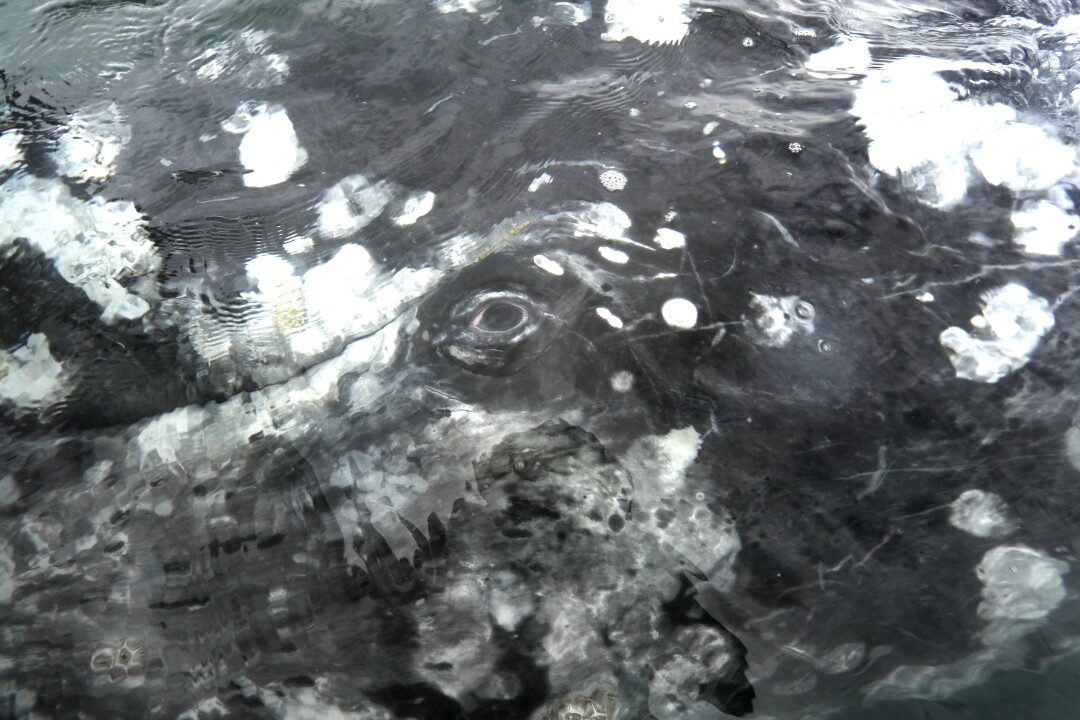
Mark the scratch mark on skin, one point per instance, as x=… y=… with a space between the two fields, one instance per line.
x=493 y=38
x=785 y=234
x=985 y=271
x=888 y=536
x=437 y=103
x=700 y=282
x=667 y=333
x=734 y=259
x=879 y=475
x=1064 y=297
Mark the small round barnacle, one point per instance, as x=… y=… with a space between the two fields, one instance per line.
x=132 y=656
x=103 y=660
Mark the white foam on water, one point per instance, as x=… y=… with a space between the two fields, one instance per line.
x=780 y=318
x=982 y=514
x=30 y=377
x=611 y=318
x=11 y=155
x=849 y=56
x=679 y=313
x=415 y=208
x=548 y=265
x=93 y=244
x=91 y=143
x=612 y=255
x=270 y=150
x=649 y=21
x=1042 y=227
x=669 y=239
x=539 y=181
x=1020 y=583
x=351 y=204
x=1007 y=333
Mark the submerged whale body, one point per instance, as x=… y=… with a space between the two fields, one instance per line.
x=554 y=360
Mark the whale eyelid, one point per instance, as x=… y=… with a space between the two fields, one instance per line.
x=492 y=307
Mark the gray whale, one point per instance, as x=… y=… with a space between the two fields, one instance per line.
x=498 y=360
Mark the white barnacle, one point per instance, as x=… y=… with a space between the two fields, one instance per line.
x=613 y=180
x=103 y=660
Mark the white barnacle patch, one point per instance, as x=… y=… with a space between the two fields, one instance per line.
x=650 y=21
x=298 y=245
x=30 y=377
x=548 y=265
x=243 y=57
x=669 y=239
x=539 y=181
x=612 y=255
x=1043 y=227
x=718 y=152
x=415 y=208
x=613 y=180
x=611 y=318
x=1020 y=583
x=11 y=155
x=983 y=514
x=351 y=204
x=781 y=318
x=679 y=313
x=622 y=381
x=681 y=517
x=1022 y=157
x=270 y=149
x=93 y=244
x=281 y=291
x=924 y=130
x=350 y=296
x=7 y=573
x=1072 y=443
x=1007 y=333
x=469 y=6
x=601 y=220
x=89 y=146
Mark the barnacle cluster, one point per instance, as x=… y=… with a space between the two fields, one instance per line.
x=128 y=658
x=597 y=704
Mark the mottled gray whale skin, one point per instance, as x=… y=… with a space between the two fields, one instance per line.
x=420 y=362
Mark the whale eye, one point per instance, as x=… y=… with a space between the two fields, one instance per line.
x=500 y=316
x=497 y=331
